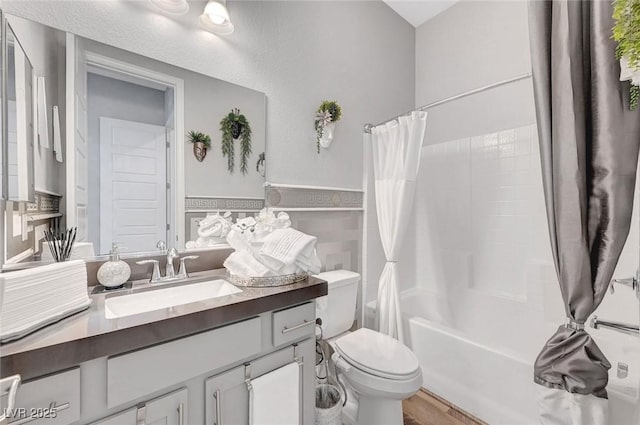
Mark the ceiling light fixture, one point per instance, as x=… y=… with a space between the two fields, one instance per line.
x=174 y=7
x=216 y=18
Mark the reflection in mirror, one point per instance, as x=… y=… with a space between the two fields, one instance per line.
x=19 y=123
x=118 y=165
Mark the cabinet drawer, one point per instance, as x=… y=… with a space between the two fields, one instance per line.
x=55 y=398
x=134 y=375
x=293 y=323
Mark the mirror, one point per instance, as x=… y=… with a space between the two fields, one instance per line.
x=18 y=106
x=119 y=164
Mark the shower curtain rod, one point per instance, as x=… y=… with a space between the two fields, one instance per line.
x=369 y=126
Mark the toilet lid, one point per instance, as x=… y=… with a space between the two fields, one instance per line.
x=378 y=354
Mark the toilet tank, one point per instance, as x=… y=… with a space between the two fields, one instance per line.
x=337 y=309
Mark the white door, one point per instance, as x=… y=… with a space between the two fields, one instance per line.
x=76 y=143
x=133 y=185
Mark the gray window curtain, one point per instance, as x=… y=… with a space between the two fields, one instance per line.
x=589 y=150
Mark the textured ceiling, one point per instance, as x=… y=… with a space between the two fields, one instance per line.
x=417 y=12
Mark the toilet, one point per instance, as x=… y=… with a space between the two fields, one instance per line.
x=377 y=370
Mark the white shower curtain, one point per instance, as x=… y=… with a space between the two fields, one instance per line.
x=396 y=157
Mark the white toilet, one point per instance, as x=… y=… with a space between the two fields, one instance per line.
x=378 y=371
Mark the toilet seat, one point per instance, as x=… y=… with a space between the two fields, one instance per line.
x=378 y=354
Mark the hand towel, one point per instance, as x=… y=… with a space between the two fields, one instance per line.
x=284 y=247
x=43 y=123
x=275 y=398
x=57 y=140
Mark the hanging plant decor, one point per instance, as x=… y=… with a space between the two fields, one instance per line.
x=201 y=142
x=326 y=116
x=234 y=126
x=626 y=32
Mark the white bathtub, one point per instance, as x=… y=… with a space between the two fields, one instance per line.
x=496 y=384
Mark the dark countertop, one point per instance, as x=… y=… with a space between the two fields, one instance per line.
x=89 y=335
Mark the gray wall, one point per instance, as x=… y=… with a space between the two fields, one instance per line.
x=470 y=45
x=298 y=53
x=45 y=50
x=111 y=98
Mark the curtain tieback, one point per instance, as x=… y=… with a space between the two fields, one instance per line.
x=390 y=261
x=573 y=324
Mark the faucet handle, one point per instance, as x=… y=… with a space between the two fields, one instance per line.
x=161 y=245
x=155 y=274
x=182 y=272
x=631 y=282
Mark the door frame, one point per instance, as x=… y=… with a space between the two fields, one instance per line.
x=175 y=204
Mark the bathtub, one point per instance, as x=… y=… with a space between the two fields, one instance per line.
x=495 y=384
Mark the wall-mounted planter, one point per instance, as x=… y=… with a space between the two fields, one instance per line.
x=201 y=143
x=199 y=151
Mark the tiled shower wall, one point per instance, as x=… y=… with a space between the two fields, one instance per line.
x=485 y=218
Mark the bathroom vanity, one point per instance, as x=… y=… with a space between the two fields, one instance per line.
x=187 y=364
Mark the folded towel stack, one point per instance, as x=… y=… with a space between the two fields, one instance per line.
x=285 y=248
x=267 y=246
x=32 y=298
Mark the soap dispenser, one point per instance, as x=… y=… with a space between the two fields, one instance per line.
x=115 y=272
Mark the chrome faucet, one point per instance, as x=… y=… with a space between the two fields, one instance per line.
x=616 y=326
x=170 y=273
x=626 y=328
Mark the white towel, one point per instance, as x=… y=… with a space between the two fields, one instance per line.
x=275 y=398
x=57 y=140
x=43 y=123
x=285 y=247
x=242 y=263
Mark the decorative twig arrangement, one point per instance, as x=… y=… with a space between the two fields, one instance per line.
x=233 y=126
x=61 y=243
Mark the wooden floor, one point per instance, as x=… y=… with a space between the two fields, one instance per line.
x=426 y=408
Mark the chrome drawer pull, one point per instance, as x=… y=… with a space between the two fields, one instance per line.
x=9 y=385
x=180 y=414
x=296 y=327
x=218 y=421
x=53 y=410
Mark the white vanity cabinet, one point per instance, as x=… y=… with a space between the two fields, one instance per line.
x=170 y=409
x=195 y=379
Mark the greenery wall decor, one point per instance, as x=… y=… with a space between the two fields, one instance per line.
x=201 y=142
x=234 y=126
x=328 y=112
x=626 y=32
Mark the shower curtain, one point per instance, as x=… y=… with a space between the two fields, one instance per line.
x=396 y=157
x=589 y=143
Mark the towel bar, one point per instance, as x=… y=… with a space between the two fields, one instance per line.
x=247 y=379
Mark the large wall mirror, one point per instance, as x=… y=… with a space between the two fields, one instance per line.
x=112 y=154
x=18 y=111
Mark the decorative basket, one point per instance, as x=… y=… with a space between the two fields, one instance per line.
x=269 y=281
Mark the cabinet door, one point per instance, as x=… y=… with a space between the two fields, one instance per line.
x=170 y=409
x=227 y=396
x=227 y=399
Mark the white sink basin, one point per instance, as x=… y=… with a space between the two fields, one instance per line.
x=127 y=305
